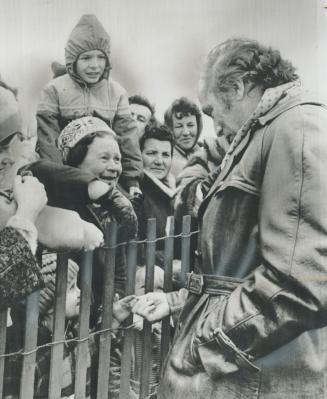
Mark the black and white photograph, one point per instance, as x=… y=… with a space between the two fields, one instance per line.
x=163 y=199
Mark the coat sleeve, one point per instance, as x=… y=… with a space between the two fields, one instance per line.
x=19 y=271
x=66 y=186
x=48 y=124
x=125 y=127
x=286 y=295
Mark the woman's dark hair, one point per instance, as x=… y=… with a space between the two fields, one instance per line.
x=247 y=59
x=77 y=154
x=183 y=107
x=157 y=132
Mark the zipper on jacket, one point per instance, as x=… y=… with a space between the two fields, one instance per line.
x=87 y=100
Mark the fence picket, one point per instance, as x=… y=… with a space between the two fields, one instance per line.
x=108 y=294
x=186 y=246
x=30 y=342
x=58 y=327
x=84 y=325
x=147 y=327
x=146 y=347
x=130 y=334
x=168 y=285
x=3 y=335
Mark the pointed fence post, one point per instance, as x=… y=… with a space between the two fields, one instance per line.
x=147 y=328
x=57 y=350
x=83 y=355
x=168 y=284
x=129 y=334
x=107 y=301
x=3 y=335
x=30 y=342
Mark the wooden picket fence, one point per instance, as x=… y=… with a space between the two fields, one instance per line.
x=32 y=312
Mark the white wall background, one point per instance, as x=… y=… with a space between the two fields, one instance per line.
x=158 y=46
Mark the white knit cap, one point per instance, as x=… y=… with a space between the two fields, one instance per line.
x=77 y=130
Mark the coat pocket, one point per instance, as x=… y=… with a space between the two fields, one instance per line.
x=213 y=349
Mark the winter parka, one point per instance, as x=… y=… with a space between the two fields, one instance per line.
x=68 y=97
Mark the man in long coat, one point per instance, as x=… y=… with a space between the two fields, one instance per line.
x=254 y=317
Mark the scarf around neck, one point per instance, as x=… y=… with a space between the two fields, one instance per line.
x=268 y=101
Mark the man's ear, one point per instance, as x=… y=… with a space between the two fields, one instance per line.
x=239 y=89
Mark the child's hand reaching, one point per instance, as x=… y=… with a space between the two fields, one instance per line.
x=153 y=306
x=122 y=308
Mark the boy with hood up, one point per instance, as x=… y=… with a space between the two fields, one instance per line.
x=87 y=89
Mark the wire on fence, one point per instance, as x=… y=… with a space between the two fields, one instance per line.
x=98 y=332
x=181 y=235
x=66 y=341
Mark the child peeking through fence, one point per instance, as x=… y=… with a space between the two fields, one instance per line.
x=121 y=310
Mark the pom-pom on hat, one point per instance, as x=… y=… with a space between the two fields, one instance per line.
x=48 y=271
x=77 y=130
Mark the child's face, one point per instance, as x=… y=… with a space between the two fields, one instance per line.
x=103 y=159
x=72 y=300
x=90 y=65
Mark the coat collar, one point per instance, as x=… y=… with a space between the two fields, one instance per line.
x=274 y=102
x=167 y=185
x=187 y=154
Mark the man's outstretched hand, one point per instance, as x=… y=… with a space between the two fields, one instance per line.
x=153 y=306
